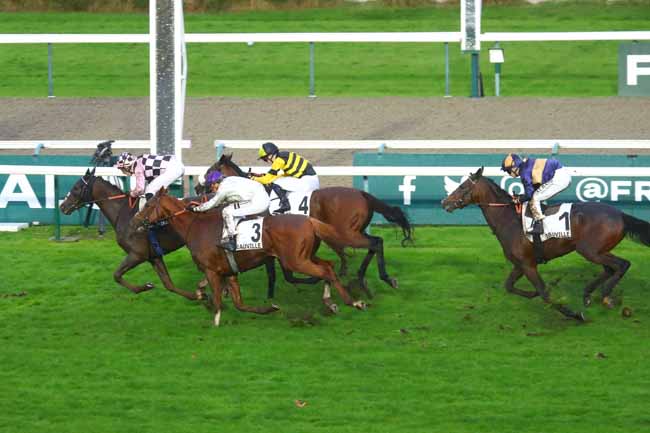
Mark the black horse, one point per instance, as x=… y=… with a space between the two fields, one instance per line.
x=596 y=228
x=119 y=208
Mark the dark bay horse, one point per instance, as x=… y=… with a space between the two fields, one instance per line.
x=116 y=206
x=293 y=239
x=596 y=229
x=350 y=210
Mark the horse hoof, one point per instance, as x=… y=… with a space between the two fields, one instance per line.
x=608 y=302
x=580 y=317
x=275 y=307
x=586 y=301
x=393 y=283
x=333 y=308
x=360 y=305
x=148 y=286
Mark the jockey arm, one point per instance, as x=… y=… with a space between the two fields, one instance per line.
x=273 y=173
x=138 y=190
x=215 y=201
x=527 y=182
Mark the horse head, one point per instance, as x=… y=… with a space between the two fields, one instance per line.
x=156 y=209
x=80 y=194
x=465 y=194
x=226 y=166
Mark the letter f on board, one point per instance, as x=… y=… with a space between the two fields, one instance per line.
x=407 y=189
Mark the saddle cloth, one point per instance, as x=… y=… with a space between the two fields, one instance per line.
x=557 y=224
x=299 y=201
x=249 y=233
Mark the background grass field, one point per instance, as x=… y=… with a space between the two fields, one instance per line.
x=531 y=69
x=448 y=351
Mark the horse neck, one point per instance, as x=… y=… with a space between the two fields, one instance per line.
x=237 y=171
x=102 y=190
x=181 y=222
x=503 y=220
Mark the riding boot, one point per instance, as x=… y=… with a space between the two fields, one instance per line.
x=284 y=200
x=229 y=243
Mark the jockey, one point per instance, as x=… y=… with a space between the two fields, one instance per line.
x=242 y=196
x=542 y=179
x=297 y=173
x=152 y=172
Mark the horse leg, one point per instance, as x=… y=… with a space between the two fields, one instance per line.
x=623 y=266
x=615 y=268
x=161 y=269
x=343 y=269
x=324 y=270
x=514 y=276
x=270 y=275
x=215 y=283
x=589 y=288
x=130 y=262
x=235 y=293
x=533 y=276
x=375 y=245
x=288 y=275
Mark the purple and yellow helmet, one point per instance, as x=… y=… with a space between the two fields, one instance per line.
x=510 y=162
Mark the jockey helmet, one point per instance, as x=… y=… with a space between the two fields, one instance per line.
x=267 y=149
x=125 y=161
x=214 y=177
x=511 y=164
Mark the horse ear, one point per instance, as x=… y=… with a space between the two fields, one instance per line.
x=161 y=191
x=87 y=172
x=92 y=173
x=228 y=156
x=476 y=176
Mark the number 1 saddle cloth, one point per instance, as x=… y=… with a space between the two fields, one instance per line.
x=557 y=224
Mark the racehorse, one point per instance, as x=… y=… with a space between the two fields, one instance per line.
x=596 y=229
x=350 y=210
x=293 y=239
x=119 y=208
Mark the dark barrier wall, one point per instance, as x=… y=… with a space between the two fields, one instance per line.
x=420 y=196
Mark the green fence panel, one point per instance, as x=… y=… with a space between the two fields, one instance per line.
x=420 y=196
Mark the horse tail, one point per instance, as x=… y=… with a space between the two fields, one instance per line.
x=328 y=233
x=394 y=214
x=636 y=229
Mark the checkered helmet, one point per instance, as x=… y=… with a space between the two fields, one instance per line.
x=125 y=161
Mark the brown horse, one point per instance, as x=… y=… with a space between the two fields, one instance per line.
x=293 y=239
x=350 y=210
x=596 y=229
x=119 y=209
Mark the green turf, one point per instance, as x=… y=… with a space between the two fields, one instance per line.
x=531 y=69
x=448 y=351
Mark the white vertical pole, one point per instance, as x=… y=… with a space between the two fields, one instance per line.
x=180 y=76
x=153 y=105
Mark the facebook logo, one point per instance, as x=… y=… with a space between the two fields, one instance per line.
x=407 y=188
x=637 y=65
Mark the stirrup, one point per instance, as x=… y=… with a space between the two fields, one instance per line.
x=228 y=244
x=537 y=228
x=284 y=207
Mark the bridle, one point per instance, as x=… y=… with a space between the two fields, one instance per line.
x=85 y=197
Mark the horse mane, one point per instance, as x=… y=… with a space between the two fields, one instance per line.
x=114 y=188
x=497 y=190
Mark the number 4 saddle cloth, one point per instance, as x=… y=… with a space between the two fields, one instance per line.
x=249 y=233
x=557 y=224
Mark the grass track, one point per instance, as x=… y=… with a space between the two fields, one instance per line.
x=449 y=351
x=265 y=70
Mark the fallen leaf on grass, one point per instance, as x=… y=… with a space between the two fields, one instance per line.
x=600 y=355
x=300 y=403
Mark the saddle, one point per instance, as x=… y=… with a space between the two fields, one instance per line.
x=546 y=210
